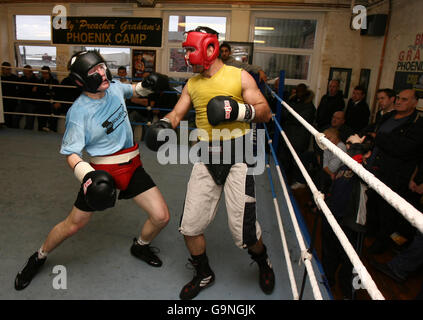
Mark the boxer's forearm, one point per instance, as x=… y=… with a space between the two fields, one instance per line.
x=73 y=159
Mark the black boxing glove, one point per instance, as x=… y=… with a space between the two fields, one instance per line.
x=225 y=109
x=99 y=190
x=155 y=82
x=153 y=132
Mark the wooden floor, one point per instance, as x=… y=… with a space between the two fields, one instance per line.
x=390 y=289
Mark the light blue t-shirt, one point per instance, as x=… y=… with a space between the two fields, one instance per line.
x=101 y=126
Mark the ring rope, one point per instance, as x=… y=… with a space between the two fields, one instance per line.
x=364 y=275
x=307 y=262
x=294 y=288
x=414 y=216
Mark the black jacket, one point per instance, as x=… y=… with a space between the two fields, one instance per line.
x=357 y=115
x=399 y=151
x=297 y=134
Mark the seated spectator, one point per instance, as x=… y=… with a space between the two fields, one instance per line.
x=228 y=59
x=345 y=200
x=357 y=113
x=28 y=91
x=338 y=122
x=398 y=145
x=331 y=163
x=9 y=89
x=298 y=135
x=330 y=103
x=46 y=93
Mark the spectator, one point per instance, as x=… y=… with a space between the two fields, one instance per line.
x=338 y=122
x=46 y=93
x=122 y=73
x=398 y=145
x=228 y=59
x=386 y=102
x=9 y=89
x=346 y=203
x=330 y=103
x=298 y=135
x=410 y=259
x=331 y=163
x=357 y=112
x=28 y=91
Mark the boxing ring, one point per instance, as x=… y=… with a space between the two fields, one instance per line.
x=39 y=190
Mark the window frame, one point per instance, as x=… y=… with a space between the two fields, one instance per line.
x=38 y=43
x=314 y=53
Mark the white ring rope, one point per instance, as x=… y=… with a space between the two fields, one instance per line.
x=305 y=256
x=307 y=262
x=364 y=275
x=39 y=84
x=40 y=100
x=291 y=276
x=414 y=216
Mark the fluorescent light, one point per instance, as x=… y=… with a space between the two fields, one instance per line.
x=259 y=41
x=265 y=28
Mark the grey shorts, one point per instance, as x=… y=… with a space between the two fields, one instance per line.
x=203 y=196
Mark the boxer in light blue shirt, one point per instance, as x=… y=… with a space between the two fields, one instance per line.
x=98 y=123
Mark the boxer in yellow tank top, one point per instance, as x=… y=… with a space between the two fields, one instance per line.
x=223 y=97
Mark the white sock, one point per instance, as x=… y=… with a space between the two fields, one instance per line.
x=142 y=242
x=42 y=254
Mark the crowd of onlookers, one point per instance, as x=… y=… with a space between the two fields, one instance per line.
x=390 y=147
x=35 y=93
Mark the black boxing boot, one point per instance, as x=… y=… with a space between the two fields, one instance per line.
x=266 y=274
x=24 y=277
x=145 y=253
x=203 y=278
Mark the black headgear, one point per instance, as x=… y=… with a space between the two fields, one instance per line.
x=81 y=63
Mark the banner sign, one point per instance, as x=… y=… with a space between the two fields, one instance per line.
x=135 y=32
x=409 y=72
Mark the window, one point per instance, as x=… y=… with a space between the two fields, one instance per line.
x=37 y=56
x=178 y=24
x=33 y=27
x=284 y=33
x=288 y=42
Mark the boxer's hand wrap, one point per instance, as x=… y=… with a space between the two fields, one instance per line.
x=81 y=169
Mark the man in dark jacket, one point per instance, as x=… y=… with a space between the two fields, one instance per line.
x=298 y=135
x=46 y=93
x=330 y=103
x=357 y=113
x=8 y=89
x=398 y=145
x=28 y=91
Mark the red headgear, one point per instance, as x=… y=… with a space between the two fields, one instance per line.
x=199 y=40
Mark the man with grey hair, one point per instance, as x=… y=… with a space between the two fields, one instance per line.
x=330 y=103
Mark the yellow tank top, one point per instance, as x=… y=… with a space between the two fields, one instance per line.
x=225 y=82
